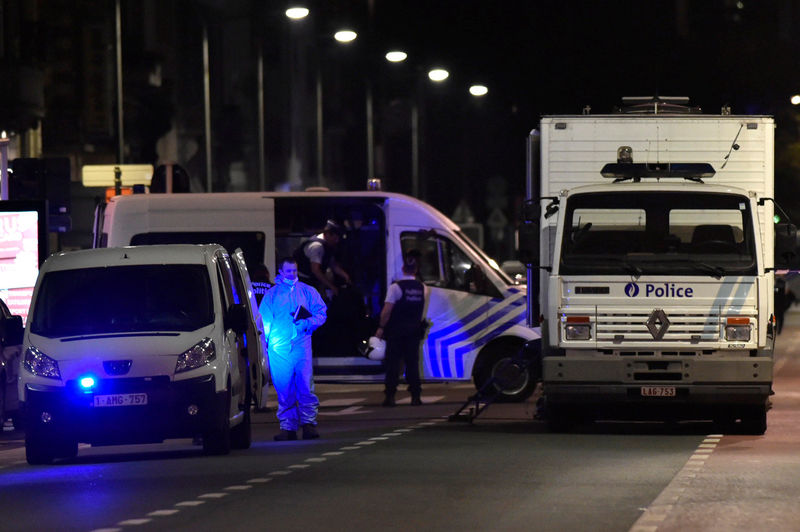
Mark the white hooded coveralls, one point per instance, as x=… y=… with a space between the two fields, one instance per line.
x=289 y=349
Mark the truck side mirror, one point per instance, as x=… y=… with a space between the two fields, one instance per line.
x=12 y=330
x=237 y=318
x=787 y=247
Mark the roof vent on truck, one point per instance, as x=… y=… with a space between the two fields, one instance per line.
x=637 y=171
x=654 y=105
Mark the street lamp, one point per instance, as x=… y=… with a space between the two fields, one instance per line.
x=345 y=36
x=478 y=90
x=297 y=12
x=438 y=74
x=396 y=56
x=795 y=99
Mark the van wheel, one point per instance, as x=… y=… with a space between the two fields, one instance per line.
x=511 y=381
x=38 y=451
x=241 y=434
x=217 y=440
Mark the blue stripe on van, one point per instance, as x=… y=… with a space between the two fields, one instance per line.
x=459 y=353
x=431 y=341
x=444 y=353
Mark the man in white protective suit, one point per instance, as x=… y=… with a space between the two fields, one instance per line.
x=291 y=311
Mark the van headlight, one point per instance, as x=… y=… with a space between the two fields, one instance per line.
x=196 y=356
x=40 y=364
x=577 y=327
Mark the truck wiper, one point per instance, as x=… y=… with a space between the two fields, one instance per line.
x=632 y=269
x=714 y=271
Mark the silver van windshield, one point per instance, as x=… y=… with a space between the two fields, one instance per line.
x=123 y=299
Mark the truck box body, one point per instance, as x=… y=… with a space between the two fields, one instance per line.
x=656 y=293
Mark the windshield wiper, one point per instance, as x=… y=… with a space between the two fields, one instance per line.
x=632 y=269
x=714 y=271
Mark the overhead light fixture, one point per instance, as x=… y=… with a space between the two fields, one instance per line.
x=297 y=12
x=438 y=74
x=396 y=56
x=478 y=90
x=345 y=36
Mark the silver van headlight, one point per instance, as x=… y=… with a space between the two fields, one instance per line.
x=196 y=356
x=40 y=364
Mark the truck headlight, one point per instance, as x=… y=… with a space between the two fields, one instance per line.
x=737 y=330
x=40 y=364
x=577 y=327
x=196 y=356
x=578 y=332
x=737 y=333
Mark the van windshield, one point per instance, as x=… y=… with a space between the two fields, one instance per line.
x=122 y=299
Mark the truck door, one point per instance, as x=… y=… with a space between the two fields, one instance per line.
x=459 y=295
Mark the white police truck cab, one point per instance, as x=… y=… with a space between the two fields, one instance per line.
x=475 y=311
x=655 y=240
x=136 y=345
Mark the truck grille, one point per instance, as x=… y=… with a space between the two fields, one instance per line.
x=667 y=326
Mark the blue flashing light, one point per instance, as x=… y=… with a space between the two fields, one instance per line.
x=87 y=382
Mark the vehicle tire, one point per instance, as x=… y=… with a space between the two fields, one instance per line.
x=241 y=434
x=512 y=383
x=217 y=440
x=38 y=449
x=754 y=420
x=560 y=418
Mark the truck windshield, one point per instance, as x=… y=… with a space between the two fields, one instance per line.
x=123 y=299
x=676 y=233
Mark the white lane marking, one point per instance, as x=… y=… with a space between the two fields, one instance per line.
x=426 y=399
x=214 y=495
x=662 y=505
x=106 y=530
x=134 y=522
x=261 y=480
x=190 y=503
x=349 y=411
x=707 y=445
x=341 y=402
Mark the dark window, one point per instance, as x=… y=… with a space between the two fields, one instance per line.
x=119 y=299
x=251 y=242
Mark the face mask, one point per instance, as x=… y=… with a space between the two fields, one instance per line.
x=290 y=282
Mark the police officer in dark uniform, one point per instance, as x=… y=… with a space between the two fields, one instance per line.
x=401 y=327
x=316 y=255
x=261 y=281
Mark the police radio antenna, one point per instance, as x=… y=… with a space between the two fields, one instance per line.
x=734 y=146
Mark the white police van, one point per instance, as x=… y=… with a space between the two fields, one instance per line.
x=137 y=345
x=475 y=310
